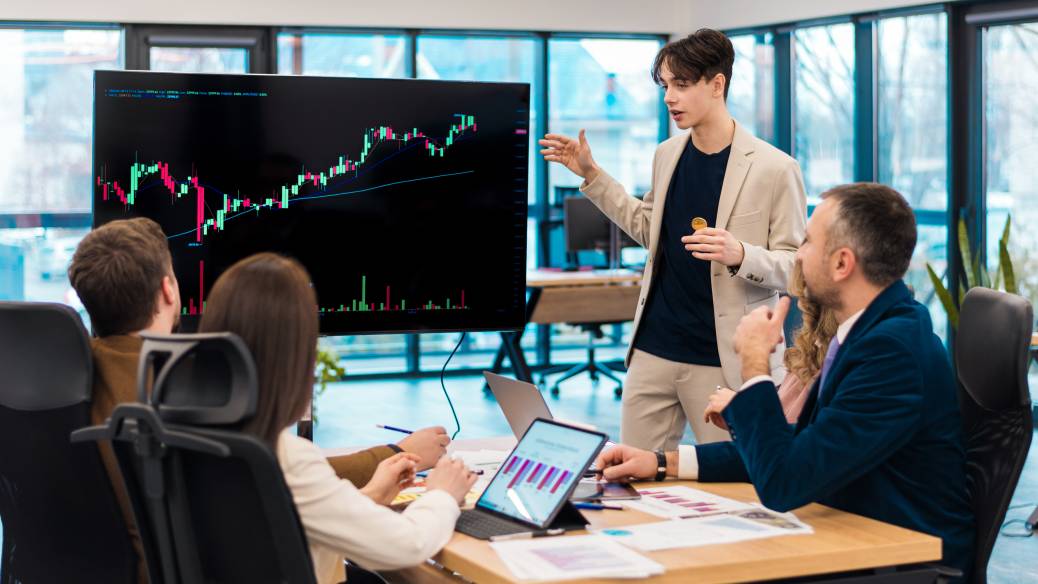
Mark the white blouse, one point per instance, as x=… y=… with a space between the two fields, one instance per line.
x=341 y=522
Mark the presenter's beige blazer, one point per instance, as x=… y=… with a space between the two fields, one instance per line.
x=762 y=204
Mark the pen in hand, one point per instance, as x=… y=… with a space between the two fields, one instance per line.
x=394 y=429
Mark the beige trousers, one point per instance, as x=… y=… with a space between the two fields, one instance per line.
x=660 y=395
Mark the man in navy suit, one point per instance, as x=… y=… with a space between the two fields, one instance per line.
x=880 y=434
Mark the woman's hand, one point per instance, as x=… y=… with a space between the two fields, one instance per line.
x=451 y=476
x=392 y=475
x=719 y=400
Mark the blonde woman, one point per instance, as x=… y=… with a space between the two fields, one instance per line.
x=803 y=360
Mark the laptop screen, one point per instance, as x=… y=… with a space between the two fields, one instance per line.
x=537 y=477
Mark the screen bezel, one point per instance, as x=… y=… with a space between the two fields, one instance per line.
x=569 y=491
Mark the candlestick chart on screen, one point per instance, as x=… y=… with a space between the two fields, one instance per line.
x=405 y=200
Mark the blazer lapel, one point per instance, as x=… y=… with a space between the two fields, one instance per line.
x=739 y=162
x=662 y=187
x=893 y=294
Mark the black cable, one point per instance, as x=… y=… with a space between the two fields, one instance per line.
x=443 y=385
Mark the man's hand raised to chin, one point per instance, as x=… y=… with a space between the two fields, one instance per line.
x=756 y=337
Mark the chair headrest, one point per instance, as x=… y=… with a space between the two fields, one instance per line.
x=45 y=356
x=198 y=379
x=992 y=348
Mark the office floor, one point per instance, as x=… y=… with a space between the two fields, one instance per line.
x=348 y=412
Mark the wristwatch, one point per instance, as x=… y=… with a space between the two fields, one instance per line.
x=661 y=465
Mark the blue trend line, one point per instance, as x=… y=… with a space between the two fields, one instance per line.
x=399 y=182
x=364 y=170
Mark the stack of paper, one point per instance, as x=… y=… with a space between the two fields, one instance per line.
x=754 y=523
x=682 y=502
x=566 y=558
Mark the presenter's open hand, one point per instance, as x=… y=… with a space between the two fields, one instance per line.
x=719 y=400
x=622 y=463
x=430 y=444
x=756 y=337
x=392 y=475
x=573 y=154
x=452 y=476
x=715 y=245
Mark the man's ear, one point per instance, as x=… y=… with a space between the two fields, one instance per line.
x=168 y=291
x=719 y=83
x=844 y=264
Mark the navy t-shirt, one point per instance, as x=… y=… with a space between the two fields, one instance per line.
x=678 y=321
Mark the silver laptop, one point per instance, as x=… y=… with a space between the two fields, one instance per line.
x=521 y=402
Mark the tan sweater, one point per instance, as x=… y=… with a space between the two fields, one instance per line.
x=115 y=382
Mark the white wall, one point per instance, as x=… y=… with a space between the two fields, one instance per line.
x=729 y=14
x=676 y=17
x=644 y=16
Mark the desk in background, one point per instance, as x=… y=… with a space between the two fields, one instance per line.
x=571 y=297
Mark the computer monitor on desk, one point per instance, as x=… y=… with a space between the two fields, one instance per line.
x=586 y=227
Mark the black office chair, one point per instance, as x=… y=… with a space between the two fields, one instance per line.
x=211 y=502
x=991 y=356
x=594 y=368
x=61 y=520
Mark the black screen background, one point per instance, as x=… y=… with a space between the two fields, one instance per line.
x=427 y=239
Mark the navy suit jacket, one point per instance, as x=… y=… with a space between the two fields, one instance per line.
x=882 y=439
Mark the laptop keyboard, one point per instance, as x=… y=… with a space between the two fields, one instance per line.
x=484 y=525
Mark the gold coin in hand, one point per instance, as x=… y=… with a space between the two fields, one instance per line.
x=698 y=223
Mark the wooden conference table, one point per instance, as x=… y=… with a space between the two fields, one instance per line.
x=841 y=542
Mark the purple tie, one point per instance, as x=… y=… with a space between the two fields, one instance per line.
x=830 y=356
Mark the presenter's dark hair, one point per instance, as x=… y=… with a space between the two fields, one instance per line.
x=878 y=225
x=701 y=55
x=267 y=300
x=117 y=272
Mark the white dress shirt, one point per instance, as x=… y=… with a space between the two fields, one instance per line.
x=688 y=462
x=340 y=521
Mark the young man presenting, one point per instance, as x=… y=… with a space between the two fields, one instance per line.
x=722 y=223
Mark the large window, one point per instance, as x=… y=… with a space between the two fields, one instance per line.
x=45 y=119
x=479 y=58
x=751 y=97
x=353 y=55
x=199 y=59
x=1010 y=135
x=603 y=86
x=912 y=124
x=824 y=106
x=46 y=102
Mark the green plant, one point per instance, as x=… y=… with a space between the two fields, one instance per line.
x=328 y=370
x=975 y=274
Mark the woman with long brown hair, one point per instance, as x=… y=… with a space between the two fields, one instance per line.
x=268 y=301
x=803 y=361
